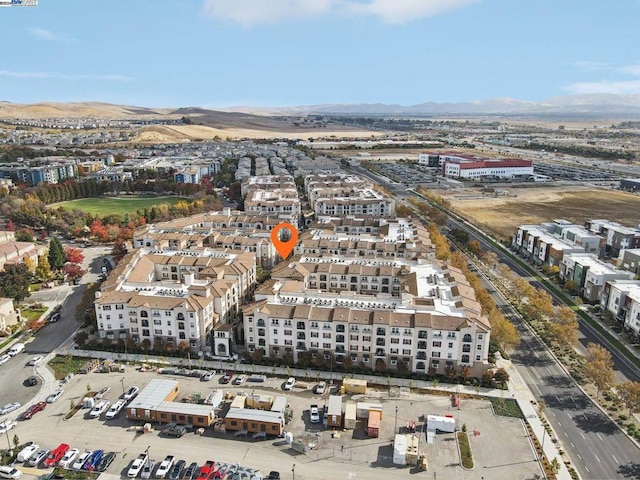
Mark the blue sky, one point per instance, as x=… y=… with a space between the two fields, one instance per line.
x=215 y=53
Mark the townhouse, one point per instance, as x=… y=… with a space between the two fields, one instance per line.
x=622 y=299
x=589 y=274
x=617 y=237
x=13 y=252
x=630 y=260
x=418 y=315
x=171 y=296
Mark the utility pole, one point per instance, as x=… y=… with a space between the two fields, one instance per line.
x=395 y=429
x=293 y=471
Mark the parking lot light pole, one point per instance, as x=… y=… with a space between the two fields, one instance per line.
x=293 y=471
x=122 y=382
x=6 y=432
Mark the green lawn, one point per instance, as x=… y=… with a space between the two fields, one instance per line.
x=32 y=314
x=506 y=407
x=108 y=205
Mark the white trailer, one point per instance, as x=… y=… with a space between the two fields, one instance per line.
x=439 y=424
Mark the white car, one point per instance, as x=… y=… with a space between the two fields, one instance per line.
x=115 y=409
x=77 y=465
x=321 y=388
x=165 y=466
x=137 y=465
x=239 y=380
x=314 y=414
x=10 y=472
x=290 y=383
x=69 y=457
x=99 y=408
x=7 y=425
x=26 y=452
x=103 y=391
x=131 y=393
x=55 y=396
x=4 y=359
x=9 y=407
x=36 y=360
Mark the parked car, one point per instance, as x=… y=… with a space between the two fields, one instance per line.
x=37 y=457
x=131 y=393
x=55 y=396
x=36 y=360
x=147 y=470
x=99 y=408
x=7 y=425
x=9 y=407
x=321 y=388
x=314 y=414
x=10 y=472
x=165 y=466
x=4 y=359
x=206 y=376
x=26 y=452
x=101 y=393
x=176 y=470
x=77 y=465
x=289 y=383
x=115 y=409
x=16 y=349
x=92 y=462
x=33 y=409
x=32 y=381
x=190 y=472
x=137 y=465
x=174 y=430
x=206 y=471
x=239 y=380
x=54 y=318
x=56 y=455
x=68 y=457
x=107 y=459
x=273 y=475
x=226 y=378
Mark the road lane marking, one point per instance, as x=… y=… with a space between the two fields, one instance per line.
x=569 y=415
x=579 y=456
x=599 y=437
x=583 y=436
x=596 y=457
x=572 y=445
x=586 y=468
x=614 y=458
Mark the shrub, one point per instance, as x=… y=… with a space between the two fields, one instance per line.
x=465 y=450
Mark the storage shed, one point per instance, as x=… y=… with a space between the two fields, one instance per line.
x=334 y=412
x=253 y=421
x=239 y=401
x=354 y=385
x=279 y=404
x=350 y=415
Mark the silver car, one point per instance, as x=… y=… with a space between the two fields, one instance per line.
x=38 y=457
x=9 y=407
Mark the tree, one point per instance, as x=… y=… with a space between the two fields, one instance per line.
x=503 y=332
x=501 y=375
x=15 y=281
x=56 y=255
x=73 y=271
x=74 y=255
x=402 y=366
x=31 y=266
x=183 y=346
x=381 y=365
x=563 y=329
x=25 y=235
x=476 y=248
x=43 y=270
x=403 y=211
x=599 y=367
x=629 y=394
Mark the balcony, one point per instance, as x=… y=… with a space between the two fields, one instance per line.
x=380 y=352
x=301 y=346
x=421 y=356
x=422 y=334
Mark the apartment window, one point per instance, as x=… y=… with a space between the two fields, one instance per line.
x=288 y=333
x=365 y=358
x=314 y=324
x=157 y=332
x=406 y=341
x=435 y=363
x=326 y=346
x=315 y=334
x=450 y=344
x=326 y=335
x=354 y=338
x=380 y=331
x=437 y=344
x=275 y=321
x=435 y=354
x=275 y=331
x=395 y=340
x=465 y=358
x=366 y=338
x=422 y=334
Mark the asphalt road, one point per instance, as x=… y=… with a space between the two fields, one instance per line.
x=12 y=377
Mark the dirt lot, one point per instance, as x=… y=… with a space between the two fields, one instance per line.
x=501 y=448
x=501 y=215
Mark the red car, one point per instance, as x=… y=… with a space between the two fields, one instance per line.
x=206 y=471
x=56 y=455
x=33 y=409
x=226 y=378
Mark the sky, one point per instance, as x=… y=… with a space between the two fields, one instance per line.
x=222 y=53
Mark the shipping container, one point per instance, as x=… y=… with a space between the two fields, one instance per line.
x=350 y=416
x=373 y=425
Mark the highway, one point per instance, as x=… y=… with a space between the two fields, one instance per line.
x=596 y=446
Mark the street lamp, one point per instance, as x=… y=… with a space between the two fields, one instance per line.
x=293 y=471
x=6 y=432
x=395 y=429
x=122 y=382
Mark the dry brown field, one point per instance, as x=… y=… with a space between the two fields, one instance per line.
x=501 y=215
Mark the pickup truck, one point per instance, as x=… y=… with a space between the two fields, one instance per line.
x=173 y=430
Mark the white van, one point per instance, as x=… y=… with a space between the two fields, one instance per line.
x=16 y=349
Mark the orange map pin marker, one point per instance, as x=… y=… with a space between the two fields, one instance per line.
x=284 y=248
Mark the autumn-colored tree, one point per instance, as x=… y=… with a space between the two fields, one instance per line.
x=476 y=248
x=501 y=375
x=43 y=270
x=98 y=230
x=629 y=394
x=31 y=266
x=599 y=367
x=503 y=332
x=183 y=346
x=403 y=211
x=10 y=226
x=563 y=328
x=539 y=305
x=73 y=271
x=74 y=255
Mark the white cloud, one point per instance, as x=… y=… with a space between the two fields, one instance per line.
x=50 y=36
x=631 y=70
x=401 y=11
x=590 y=65
x=605 y=86
x=63 y=76
x=252 y=12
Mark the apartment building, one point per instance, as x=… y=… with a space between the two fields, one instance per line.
x=630 y=260
x=282 y=204
x=372 y=312
x=589 y=274
x=622 y=299
x=366 y=237
x=267 y=182
x=617 y=237
x=175 y=296
x=226 y=229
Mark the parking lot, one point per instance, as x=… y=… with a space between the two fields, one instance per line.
x=501 y=450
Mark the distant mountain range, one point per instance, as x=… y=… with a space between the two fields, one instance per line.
x=595 y=105
x=571 y=105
